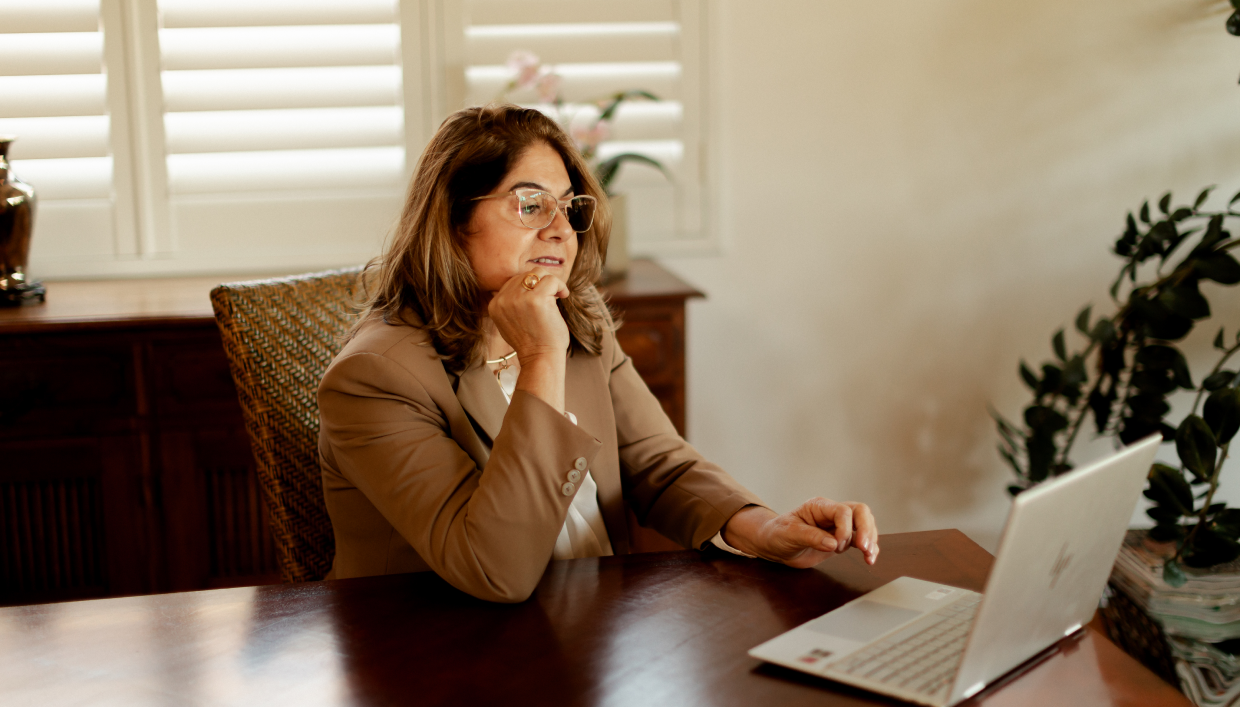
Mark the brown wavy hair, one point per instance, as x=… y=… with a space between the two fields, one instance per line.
x=425 y=269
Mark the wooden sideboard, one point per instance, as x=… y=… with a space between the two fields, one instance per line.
x=124 y=464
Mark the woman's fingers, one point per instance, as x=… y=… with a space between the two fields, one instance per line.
x=867 y=531
x=850 y=524
x=830 y=516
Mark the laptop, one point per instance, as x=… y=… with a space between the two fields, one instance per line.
x=935 y=644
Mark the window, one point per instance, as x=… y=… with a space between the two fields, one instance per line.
x=177 y=136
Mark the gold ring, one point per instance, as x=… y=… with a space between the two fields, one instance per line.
x=530 y=281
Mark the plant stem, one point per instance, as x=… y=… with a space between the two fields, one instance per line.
x=1080 y=413
x=1217 y=367
x=1205 y=507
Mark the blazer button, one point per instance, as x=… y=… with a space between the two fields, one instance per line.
x=574 y=476
x=581 y=463
x=568 y=488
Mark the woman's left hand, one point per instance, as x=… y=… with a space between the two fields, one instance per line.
x=806 y=536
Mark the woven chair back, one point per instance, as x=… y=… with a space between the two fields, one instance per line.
x=279 y=336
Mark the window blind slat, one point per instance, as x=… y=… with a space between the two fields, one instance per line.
x=50 y=15
x=38 y=96
x=582 y=82
x=634 y=120
x=578 y=43
x=41 y=138
x=502 y=12
x=67 y=178
x=233 y=131
x=34 y=54
x=270 y=47
x=249 y=89
x=274 y=13
x=292 y=170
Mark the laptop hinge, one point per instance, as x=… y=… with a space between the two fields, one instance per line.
x=1072 y=629
x=972 y=690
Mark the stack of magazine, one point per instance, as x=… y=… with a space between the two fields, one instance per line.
x=1201 y=619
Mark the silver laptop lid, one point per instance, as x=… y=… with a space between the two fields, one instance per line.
x=1054 y=557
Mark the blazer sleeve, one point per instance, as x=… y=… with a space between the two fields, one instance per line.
x=488 y=532
x=670 y=486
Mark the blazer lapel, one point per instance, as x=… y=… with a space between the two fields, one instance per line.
x=482 y=399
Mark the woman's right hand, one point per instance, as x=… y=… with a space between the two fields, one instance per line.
x=531 y=323
x=529 y=320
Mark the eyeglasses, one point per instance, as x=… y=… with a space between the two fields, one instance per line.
x=536 y=208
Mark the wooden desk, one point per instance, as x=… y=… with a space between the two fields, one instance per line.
x=127 y=469
x=655 y=629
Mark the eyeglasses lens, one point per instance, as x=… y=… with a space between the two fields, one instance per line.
x=537 y=210
x=580 y=213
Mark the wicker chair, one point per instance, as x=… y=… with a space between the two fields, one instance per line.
x=279 y=336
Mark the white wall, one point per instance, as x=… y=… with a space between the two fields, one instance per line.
x=912 y=197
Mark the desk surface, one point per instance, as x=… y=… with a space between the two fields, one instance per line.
x=657 y=629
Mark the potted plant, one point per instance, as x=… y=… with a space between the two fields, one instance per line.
x=589 y=125
x=1118 y=378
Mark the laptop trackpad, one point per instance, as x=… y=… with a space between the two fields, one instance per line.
x=862 y=621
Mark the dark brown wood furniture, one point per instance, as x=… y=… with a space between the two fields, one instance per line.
x=124 y=465
x=655 y=629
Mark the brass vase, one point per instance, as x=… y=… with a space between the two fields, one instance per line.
x=17 y=204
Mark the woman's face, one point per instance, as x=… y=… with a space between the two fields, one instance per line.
x=499 y=247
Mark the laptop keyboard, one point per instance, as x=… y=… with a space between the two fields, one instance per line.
x=921 y=657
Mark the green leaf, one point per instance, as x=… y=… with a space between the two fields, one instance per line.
x=1227 y=523
x=1210 y=548
x=1236 y=5
x=1100 y=404
x=1185 y=300
x=1164 y=533
x=1104 y=331
x=1156 y=356
x=1161 y=322
x=1218 y=340
x=1052 y=378
x=1058 y=344
x=1082 y=320
x=1235 y=198
x=1145 y=211
x=1043 y=419
x=1214 y=234
x=1181 y=213
x=1028 y=376
x=1205 y=193
x=1179 y=370
x=1173 y=575
x=1196 y=445
x=1164 y=204
x=1222 y=414
x=1169 y=489
x=606 y=170
x=1218 y=379
x=1220 y=267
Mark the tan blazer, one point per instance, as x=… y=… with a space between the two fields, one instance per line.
x=424 y=470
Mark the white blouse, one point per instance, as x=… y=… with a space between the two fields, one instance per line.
x=584 y=534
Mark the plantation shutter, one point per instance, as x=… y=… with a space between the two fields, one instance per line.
x=283 y=128
x=599 y=48
x=55 y=98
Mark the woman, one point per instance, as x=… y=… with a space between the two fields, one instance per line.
x=482 y=419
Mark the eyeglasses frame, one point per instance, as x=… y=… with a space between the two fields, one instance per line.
x=561 y=206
